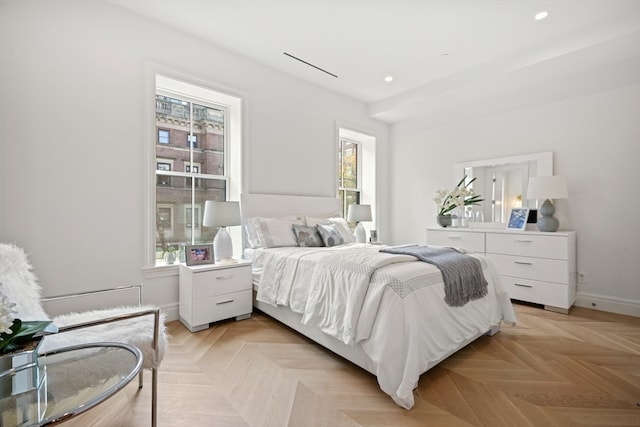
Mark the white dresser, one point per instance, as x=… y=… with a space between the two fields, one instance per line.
x=534 y=266
x=213 y=292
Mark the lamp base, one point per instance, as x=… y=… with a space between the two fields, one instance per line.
x=361 y=233
x=222 y=245
x=547 y=222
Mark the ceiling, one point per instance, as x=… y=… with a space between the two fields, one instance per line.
x=445 y=56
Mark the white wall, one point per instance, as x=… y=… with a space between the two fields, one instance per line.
x=72 y=133
x=595 y=140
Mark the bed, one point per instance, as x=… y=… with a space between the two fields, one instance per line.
x=384 y=312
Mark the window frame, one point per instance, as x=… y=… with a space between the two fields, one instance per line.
x=160 y=76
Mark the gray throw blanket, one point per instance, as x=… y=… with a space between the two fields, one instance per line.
x=462 y=274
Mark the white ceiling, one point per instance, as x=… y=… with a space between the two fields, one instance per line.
x=494 y=49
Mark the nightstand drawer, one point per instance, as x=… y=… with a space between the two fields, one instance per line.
x=221 y=281
x=546 y=270
x=468 y=240
x=527 y=245
x=218 y=307
x=551 y=294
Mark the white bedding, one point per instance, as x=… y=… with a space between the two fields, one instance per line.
x=392 y=306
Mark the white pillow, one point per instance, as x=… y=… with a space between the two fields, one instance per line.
x=340 y=223
x=330 y=235
x=273 y=232
x=250 y=226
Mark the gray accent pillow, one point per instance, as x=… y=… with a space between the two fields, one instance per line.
x=330 y=235
x=307 y=236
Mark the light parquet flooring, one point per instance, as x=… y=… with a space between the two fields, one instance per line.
x=551 y=370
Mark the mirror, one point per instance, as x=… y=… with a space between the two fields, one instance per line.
x=502 y=182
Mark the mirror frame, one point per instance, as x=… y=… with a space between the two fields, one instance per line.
x=544 y=167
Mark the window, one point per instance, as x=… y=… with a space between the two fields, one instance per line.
x=164 y=165
x=187 y=176
x=189 y=168
x=356 y=171
x=192 y=141
x=348 y=173
x=195 y=168
x=163 y=136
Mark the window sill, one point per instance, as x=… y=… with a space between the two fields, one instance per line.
x=161 y=270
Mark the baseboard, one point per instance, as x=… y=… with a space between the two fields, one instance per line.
x=171 y=311
x=609 y=304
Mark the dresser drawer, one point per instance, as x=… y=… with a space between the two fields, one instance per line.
x=221 y=281
x=218 y=307
x=468 y=240
x=545 y=270
x=551 y=294
x=553 y=247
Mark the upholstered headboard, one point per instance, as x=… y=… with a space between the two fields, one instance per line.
x=273 y=205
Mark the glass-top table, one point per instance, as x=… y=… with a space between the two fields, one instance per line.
x=66 y=382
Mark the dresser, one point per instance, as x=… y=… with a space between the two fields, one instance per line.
x=213 y=292
x=534 y=266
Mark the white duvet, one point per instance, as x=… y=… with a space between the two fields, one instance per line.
x=390 y=305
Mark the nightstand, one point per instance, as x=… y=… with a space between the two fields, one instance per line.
x=213 y=292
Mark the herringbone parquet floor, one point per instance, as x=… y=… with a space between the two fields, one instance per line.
x=581 y=369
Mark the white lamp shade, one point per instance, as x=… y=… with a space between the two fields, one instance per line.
x=359 y=213
x=221 y=214
x=547 y=187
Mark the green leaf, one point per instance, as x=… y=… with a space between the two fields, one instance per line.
x=21 y=332
x=30 y=328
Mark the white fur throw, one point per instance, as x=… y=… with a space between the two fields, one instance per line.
x=21 y=287
x=19 y=284
x=137 y=331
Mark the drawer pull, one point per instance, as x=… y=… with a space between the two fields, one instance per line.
x=224 y=302
x=523 y=286
x=522 y=263
x=453 y=237
x=224 y=277
x=523 y=241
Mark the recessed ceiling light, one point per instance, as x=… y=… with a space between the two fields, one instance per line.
x=388 y=79
x=541 y=15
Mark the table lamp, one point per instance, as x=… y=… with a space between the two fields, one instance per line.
x=359 y=213
x=547 y=188
x=221 y=215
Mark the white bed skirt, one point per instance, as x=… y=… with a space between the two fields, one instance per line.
x=353 y=353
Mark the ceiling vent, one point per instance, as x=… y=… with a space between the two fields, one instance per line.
x=310 y=64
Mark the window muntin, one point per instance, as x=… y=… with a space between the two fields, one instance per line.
x=188 y=175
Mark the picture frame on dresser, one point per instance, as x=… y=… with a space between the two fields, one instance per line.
x=198 y=254
x=518 y=219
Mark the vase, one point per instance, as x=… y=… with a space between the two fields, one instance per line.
x=170 y=258
x=444 y=220
x=547 y=222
